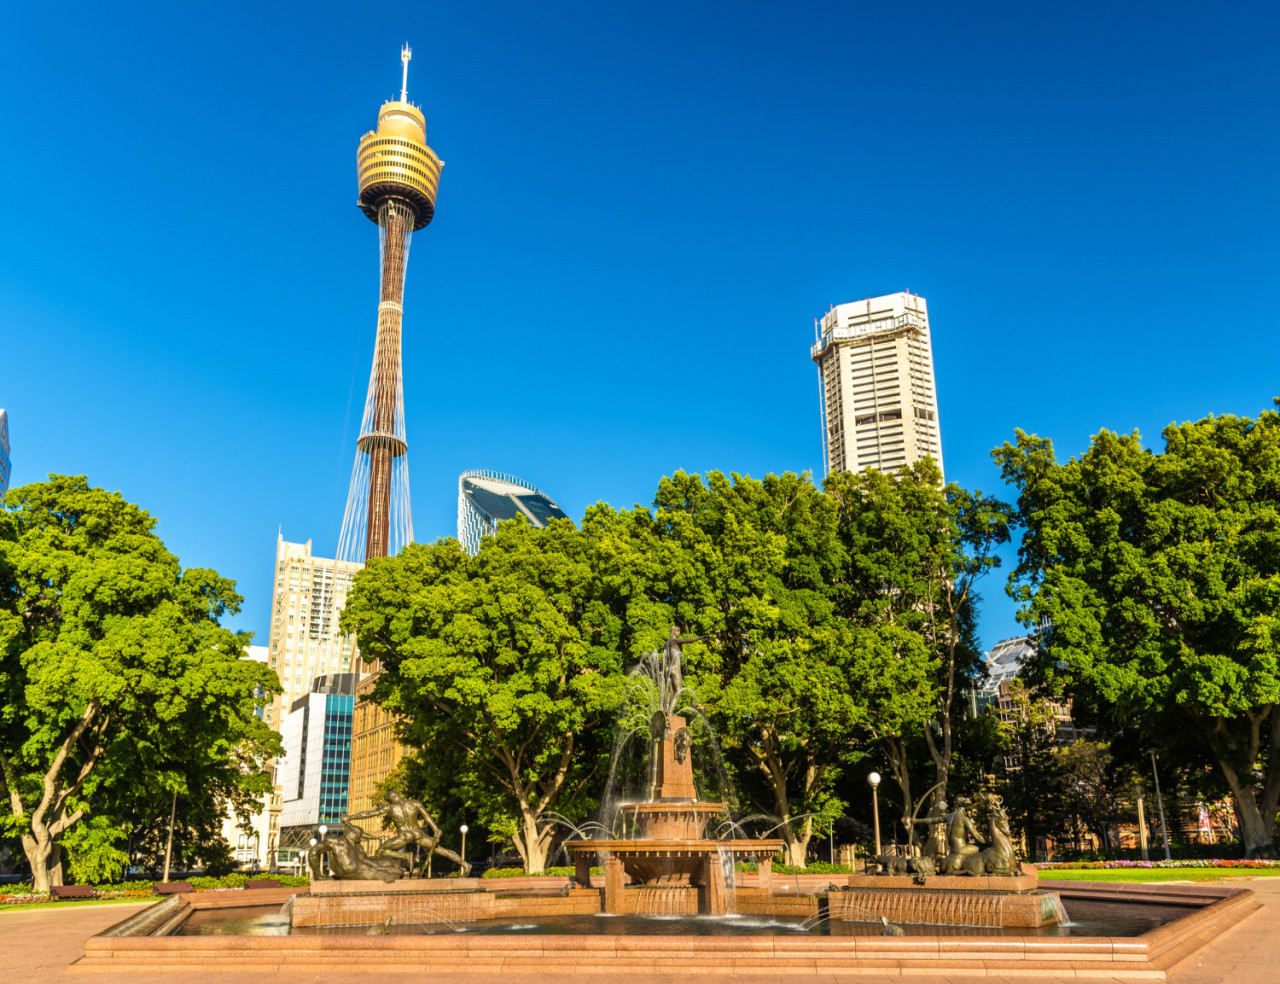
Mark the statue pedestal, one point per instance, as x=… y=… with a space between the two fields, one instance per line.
x=339 y=886
x=1026 y=881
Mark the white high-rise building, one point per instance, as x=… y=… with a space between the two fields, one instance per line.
x=875 y=373
x=259 y=842
x=305 y=642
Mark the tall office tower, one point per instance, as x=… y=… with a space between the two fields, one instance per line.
x=4 y=452
x=875 y=379
x=485 y=498
x=398 y=175
x=304 y=642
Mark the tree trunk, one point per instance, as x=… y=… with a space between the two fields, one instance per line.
x=38 y=859
x=533 y=844
x=1257 y=819
x=795 y=847
x=55 y=865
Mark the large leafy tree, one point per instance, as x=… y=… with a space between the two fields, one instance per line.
x=790 y=682
x=115 y=674
x=504 y=669
x=914 y=555
x=785 y=686
x=1161 y=576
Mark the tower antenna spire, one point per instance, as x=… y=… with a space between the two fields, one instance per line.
x=406 y=53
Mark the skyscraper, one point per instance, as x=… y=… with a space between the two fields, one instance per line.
x=398 y=175
x=875 y=379
x=485 y=498
x=4 y=452
x=304 y=643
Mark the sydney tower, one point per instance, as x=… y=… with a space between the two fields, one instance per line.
x=398 y=177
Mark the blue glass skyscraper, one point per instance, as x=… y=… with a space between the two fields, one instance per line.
x=486 y=498
x=4 y=452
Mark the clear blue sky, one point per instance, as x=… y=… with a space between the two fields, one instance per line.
x=644 y=207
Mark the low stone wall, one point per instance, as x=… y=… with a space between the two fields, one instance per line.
x=402 y=908
x=945 y=907
x=763 y=902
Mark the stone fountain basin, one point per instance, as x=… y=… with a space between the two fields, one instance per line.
x=674 y=861
x=139 y=948
x=673 y=819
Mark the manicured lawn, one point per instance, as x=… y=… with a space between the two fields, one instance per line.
x=1156 y=874
x=77 y=902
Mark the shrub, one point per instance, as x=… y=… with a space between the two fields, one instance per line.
x=812 y=868
x=560 y=872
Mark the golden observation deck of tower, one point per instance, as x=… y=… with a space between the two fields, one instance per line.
x=398 y=175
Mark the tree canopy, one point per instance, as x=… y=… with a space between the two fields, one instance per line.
x=1160 y=575
x=504 y=668
x=116 y=676
x=820 y=637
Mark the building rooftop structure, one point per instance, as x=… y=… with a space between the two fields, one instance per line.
x=486 y=498
x=1005 y=660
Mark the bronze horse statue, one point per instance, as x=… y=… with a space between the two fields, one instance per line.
x=999 y=858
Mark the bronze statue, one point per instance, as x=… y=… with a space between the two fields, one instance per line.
x=672 y=684
x=998 y=859
x=681 y=744
x=959 y=827
x=935 y=844
x=347 y=859
x=410 y=819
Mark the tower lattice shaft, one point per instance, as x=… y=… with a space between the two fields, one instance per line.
x=398 y=175
x=384 y=440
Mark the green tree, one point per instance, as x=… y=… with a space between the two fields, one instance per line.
x=785 y=687
x=792 y=684
x=1097 y=789
x=915 y=552
x=1161 y=575
x=503 y=668
x=1030 y=776
x=115 y=675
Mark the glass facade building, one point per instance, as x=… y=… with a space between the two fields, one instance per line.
x=4 y=452
x=486 y=498
x=317 y=755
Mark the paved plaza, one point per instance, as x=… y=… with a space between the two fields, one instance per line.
x=39 y=944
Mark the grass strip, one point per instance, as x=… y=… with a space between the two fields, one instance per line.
x=67 y=903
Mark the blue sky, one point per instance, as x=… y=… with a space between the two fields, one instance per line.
x=643 y=209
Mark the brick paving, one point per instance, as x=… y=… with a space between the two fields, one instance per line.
x=38 y=945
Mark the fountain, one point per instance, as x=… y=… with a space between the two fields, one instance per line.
x=672 y=850
x=922 y=914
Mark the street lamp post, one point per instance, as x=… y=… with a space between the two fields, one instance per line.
x=874 y=780
x=464 y=828
x=168 y=849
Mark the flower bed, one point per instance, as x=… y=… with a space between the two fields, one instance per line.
x=1122 y=865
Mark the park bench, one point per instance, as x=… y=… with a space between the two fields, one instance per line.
x=262 y=883
x=173 y=888
x=73 y=891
